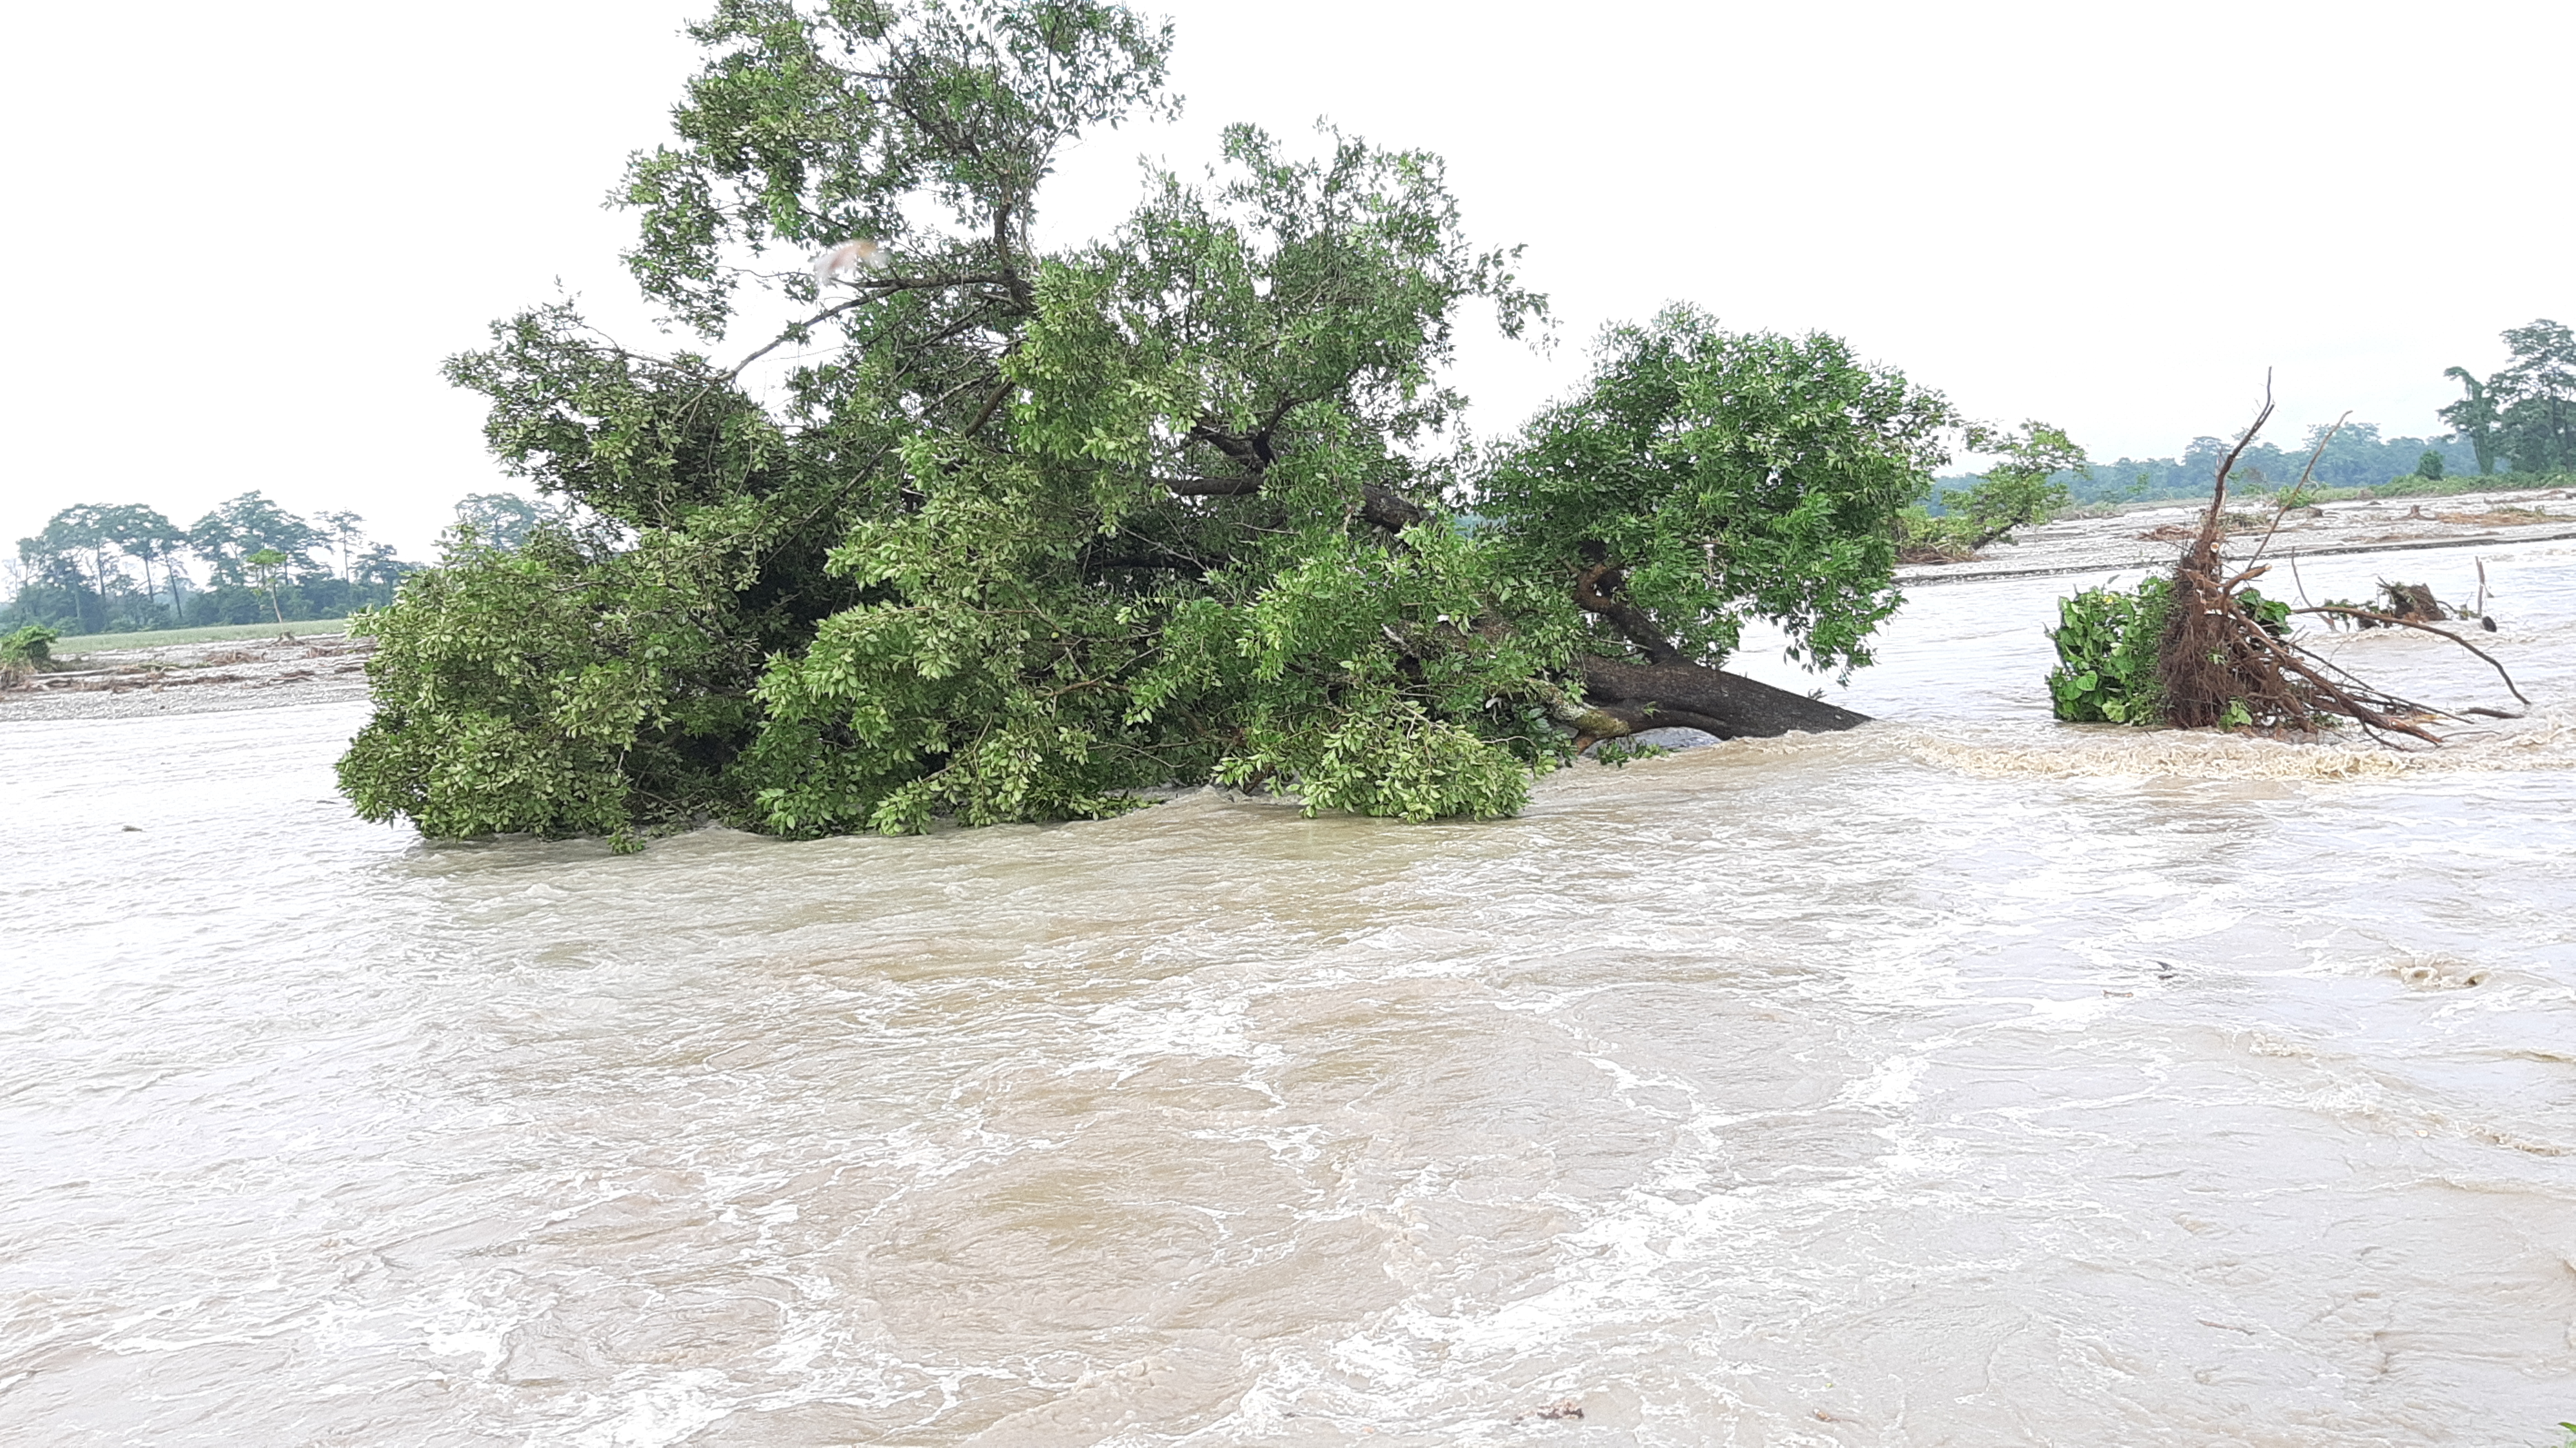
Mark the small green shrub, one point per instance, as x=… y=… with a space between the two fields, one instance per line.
x=27 y=651
x=2107 y=640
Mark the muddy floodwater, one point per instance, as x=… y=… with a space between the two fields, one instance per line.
x=1964 y=1080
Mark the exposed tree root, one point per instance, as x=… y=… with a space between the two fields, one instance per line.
x=2227 y=658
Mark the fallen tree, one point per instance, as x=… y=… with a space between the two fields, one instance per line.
x=989 y=533
x=2203 y=648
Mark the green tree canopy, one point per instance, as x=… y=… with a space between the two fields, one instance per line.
x=996 y=534
x=2536 y=398
x=498 y=520
x=238 y=527
x=1705 y=477
x=144 y=535
x=75 y=552
x=2526 y=412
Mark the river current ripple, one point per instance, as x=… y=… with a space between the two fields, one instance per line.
x=1962 y=1080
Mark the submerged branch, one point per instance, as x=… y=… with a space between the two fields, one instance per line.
x=2399 y=620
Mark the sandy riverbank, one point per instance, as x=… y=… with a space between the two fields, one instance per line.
x=2153 y=537
x=197 y=678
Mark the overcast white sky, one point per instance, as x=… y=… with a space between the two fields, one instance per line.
x=247 y=233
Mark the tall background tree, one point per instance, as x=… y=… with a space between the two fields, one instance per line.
x=75 y=574
x=2536 y=397
x=151 y=540
x=498 y=520
x=340 y=527
x=2472 y=417
x=71 y=555
x=2525 y=413
x=235 y=529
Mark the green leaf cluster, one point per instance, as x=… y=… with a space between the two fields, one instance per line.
x=2108 y=642
x=1717 y=476
x=565 y=688
x=2027 y=486
x=30 y=645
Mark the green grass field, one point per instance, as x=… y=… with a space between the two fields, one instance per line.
x=220 y=633
x=2450 y=487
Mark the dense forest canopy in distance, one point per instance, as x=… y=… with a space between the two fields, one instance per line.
x=125 y=568
x=2358 y=457
x=2519 y=422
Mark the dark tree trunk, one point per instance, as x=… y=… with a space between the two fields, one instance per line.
x=1686 y=696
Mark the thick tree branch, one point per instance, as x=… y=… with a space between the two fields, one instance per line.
x=1239 y=451
x=1380 y=505
x=1011 y=278
x=1592 y=596
x=1687 y=696
x=876 y=288
x=1390 y=509
x=1158 y=561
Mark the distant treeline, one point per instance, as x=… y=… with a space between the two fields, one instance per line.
x=2357 y=458
x=2521 y=421
x=122 y=568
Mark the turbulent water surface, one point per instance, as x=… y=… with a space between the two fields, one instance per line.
x=1963 y=1080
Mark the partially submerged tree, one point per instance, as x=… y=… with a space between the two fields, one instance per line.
x=1704 y=478
x=994 y=534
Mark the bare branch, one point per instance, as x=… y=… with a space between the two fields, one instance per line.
x=877 y=289
x=2281 y=509
x=2395 y=620
x=2226 y=465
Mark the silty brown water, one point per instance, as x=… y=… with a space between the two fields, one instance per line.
x=1967 y=1080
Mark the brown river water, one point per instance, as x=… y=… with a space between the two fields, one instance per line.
x=1962 y=1080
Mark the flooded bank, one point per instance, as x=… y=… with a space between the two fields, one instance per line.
x=1962 y=1080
